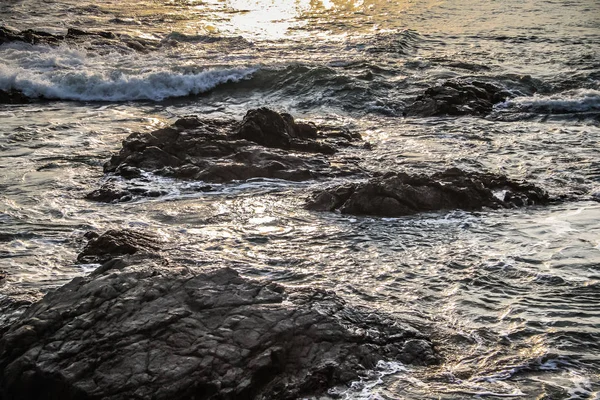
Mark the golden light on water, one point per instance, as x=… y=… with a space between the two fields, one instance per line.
x=266 y=19
x=272 y=19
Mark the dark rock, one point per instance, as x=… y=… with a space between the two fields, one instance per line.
x=31 y=36
x=150 y=331
x=458 y=97
x=398 y=194
x=267 y=128
x=271 y=129
x=115 y=243
x=13 y=96
x=109 y=193
x=265 y=144
x=74 y=35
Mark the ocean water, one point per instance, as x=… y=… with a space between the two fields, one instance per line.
x=511 y=297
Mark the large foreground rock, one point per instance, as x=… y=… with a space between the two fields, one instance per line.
x=164 y=332
x=265 y=144
x=398 y=194
x=458 y=97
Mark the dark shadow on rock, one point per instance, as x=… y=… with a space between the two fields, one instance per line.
x=165 y=332
x=265 y=144
x=458 y=97
x=398 y=194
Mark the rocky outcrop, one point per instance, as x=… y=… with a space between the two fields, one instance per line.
x=265 y=144
x=13 y=96
x=74 y=35
x=166 y=332
x=31 y=36
x=397 y=194
x=458 y=97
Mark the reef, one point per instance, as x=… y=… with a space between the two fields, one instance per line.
x=398 y=194
x=265 y=144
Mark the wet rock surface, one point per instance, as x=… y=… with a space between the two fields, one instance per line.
x=397 y=194
x=265 y=144
x=74 y=35
x=458 y=97
x=114 y=243
x=150 y=330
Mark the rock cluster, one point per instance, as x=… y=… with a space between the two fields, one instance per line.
x=398 y=194
x=32 y=36
x=150 y=330
x=265 y=144
x=458 y=97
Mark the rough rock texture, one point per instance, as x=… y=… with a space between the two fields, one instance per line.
x=458 y=97
x=115 y=243
x=164 y=332
x=113 y=192
x=397 y=194
x=265 y=144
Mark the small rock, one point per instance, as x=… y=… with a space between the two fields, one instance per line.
x=114 y=243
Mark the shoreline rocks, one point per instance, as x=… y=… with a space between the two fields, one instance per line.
x=13 y=96
x=36 y=37
x=265 y=144
x=398 y=194
x=458 y=97
x=138 y=328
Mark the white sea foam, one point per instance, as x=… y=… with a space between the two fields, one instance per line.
x=74 y=74
x=571 y=101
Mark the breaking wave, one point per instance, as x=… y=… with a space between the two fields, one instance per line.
x=71 y=74
x=572 y=101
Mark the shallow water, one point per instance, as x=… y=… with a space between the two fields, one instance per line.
x=512 y=297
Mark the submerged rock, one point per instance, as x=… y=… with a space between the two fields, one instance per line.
x=265 y=144
x=458 y=97
x=115 y=243
x=397 y=194
x=165 y=332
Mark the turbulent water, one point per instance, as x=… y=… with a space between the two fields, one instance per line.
x=512 y=297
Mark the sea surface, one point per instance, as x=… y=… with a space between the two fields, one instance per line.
x=511 y=297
